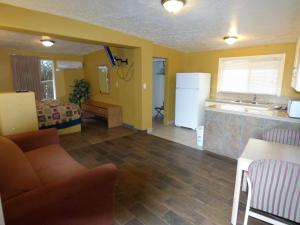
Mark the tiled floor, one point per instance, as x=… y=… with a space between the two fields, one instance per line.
x=161 y=182
x=180 y=135
x=93 y=131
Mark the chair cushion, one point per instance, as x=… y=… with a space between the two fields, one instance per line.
x=52 y=163
x=16 y=174
x=282 y=136
x=276 y=188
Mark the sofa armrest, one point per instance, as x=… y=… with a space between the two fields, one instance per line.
x=35 y=139
x=85 y=199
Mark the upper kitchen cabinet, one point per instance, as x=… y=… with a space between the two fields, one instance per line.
x=296 y=71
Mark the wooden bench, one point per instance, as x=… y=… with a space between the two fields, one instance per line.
x=112 y=113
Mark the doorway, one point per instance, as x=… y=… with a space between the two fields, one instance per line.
x=161 y=127
x=158 y=98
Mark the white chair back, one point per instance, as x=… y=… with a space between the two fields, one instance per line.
x=282 y=136
x=275 y=188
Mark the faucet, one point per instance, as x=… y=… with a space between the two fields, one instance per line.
x=254 y=98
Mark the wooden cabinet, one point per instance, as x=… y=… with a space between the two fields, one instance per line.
x=112 y=113
x=296 y=70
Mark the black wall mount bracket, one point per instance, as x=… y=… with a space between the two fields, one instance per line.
x=121 y=61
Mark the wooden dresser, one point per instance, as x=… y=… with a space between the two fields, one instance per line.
x=112 y=113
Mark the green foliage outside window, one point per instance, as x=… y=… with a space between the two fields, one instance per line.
x=47 y=79
x=46 y=70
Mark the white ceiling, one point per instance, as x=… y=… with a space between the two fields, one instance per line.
x=199 y=26
x=15 y=40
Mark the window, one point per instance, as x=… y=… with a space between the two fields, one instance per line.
x=253 y=75
x=47 y=79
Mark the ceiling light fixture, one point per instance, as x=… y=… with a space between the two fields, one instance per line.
x=173 y=6
x=230 y=39
x=47 y=42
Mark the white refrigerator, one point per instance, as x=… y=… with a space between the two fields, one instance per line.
x=192 y=89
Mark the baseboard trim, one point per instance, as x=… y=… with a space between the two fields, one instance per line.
x=171 y=122
x=129 y=126
x=149 y=130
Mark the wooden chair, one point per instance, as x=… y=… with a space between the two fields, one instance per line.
x=282 y=136
x=274 y=188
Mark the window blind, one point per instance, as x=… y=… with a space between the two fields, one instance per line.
x=253 y=75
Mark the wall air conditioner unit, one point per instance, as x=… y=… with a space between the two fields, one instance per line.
x=62 y=65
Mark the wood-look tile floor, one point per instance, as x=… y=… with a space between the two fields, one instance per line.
x=163 y=183
x=93 y=131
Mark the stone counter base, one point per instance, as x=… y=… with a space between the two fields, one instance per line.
x=227 y=134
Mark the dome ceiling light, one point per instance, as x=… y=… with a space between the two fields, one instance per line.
x=47 y=42
x=173 y=6
x=230 y=40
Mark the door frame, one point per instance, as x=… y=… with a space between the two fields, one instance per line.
x=166 y=97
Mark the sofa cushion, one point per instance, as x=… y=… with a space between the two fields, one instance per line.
x=16 y=173
x=52 y=163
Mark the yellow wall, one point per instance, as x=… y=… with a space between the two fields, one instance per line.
x=124 y=93
x=6 y=82
x=208 y=62
x=20 y=19
x=15 y=18
x=121 y=92
x=174 y=64
x=63 y=78
x=17 y=113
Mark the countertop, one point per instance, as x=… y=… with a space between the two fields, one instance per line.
x=249 y=110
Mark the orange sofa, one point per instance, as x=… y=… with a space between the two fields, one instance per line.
x=40 y=184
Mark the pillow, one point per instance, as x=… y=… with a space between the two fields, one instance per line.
x=16 y=174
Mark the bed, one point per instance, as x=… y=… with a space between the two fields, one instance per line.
x=66 y=117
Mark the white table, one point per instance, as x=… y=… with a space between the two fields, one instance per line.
x=255 y=150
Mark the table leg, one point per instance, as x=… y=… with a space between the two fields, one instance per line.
x=236 y=197
x=244 y=183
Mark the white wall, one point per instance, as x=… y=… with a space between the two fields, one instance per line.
x=158 y=85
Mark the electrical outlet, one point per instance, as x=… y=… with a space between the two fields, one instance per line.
x=144 y=86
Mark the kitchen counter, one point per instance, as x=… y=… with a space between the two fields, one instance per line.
x=228 y=127
x=256 y=111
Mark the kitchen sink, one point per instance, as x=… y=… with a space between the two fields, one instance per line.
x=243 y=108
x=246 y=102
